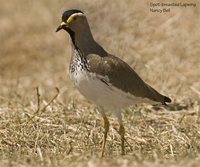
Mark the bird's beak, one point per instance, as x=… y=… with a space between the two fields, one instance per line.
x=61 y=26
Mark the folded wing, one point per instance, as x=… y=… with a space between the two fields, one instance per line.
x=122 y=76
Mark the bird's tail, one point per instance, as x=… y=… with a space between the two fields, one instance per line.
x=166 y=99
x=156 y=96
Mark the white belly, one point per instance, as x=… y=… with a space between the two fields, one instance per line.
x=101 y=94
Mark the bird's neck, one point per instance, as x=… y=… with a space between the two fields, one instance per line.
x=85 y=43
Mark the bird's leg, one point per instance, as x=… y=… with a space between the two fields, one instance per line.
x=106 y=128
x=122 y=132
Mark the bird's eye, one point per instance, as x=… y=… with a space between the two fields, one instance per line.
x=75 y=18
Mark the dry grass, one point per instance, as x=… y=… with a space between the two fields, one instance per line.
x=37 y=129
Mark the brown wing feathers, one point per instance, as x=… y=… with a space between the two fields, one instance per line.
x=122 y=76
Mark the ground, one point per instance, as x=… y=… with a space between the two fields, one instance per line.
x=44 y=121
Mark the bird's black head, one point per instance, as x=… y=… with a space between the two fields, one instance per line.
x=68 y=13
x=68 y=17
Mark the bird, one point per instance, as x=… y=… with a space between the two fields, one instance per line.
x=103 y=78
